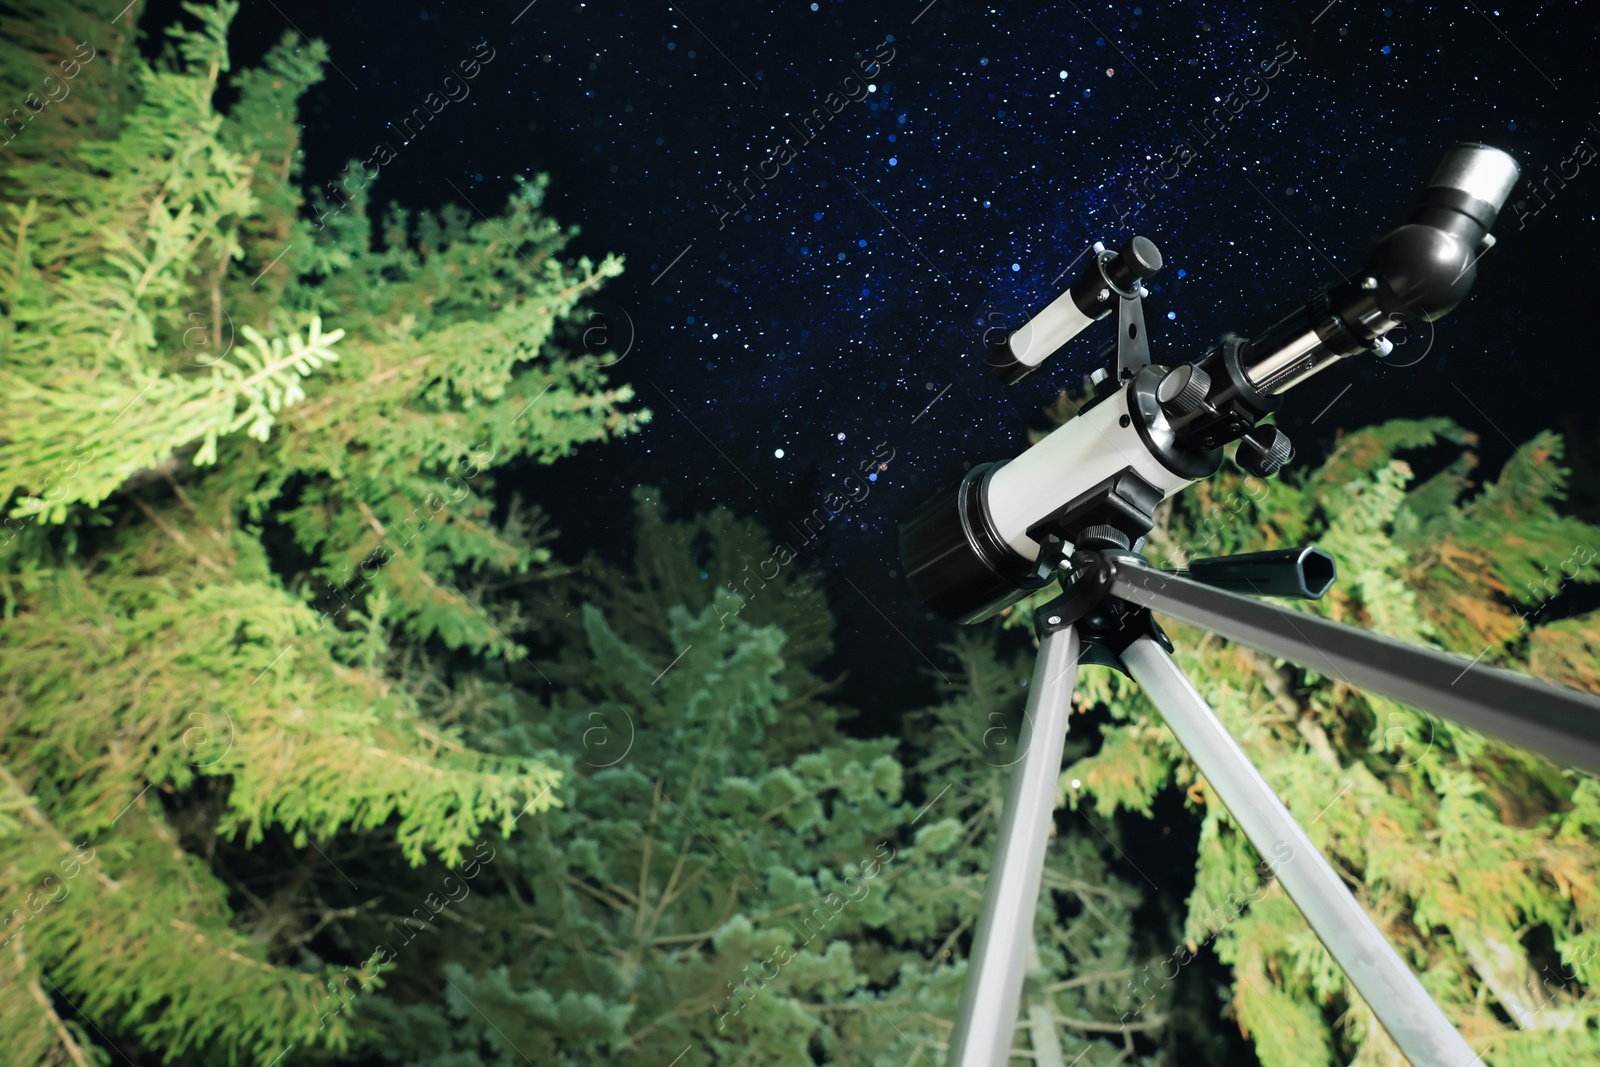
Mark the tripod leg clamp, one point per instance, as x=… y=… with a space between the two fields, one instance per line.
x=1106 y=624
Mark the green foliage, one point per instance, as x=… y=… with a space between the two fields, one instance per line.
x=272 y=711
x=245 y=459
x=1474 y=858
x=731 y=875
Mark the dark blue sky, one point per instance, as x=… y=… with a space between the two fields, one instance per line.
x=977 y=164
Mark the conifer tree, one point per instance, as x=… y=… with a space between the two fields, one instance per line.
x=880 y=985
x=733 y=879
x=244 y=465
x=278 y=771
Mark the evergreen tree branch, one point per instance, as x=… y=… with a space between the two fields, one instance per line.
x=37 y=994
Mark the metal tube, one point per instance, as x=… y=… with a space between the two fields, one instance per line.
x=1394 y=994
x=1479 y=171
x=1561 y=724
x=1284 y=355
x=987 y=1017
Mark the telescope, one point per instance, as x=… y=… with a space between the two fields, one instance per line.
x=1075 y=509
x=968 y=552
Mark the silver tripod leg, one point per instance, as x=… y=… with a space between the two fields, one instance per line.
x=989 y=1002
x=1394 y=994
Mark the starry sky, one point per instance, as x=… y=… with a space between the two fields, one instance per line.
x=782 y=336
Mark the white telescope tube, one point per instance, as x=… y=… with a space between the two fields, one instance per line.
x=1042 y=335
x=1075 y=458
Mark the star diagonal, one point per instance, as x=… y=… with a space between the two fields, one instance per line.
x=532 y=402
x=130 y=804
x=1471 y=665
x=1331 y=803
x=132 y=402
x=274 y=263
x=1332 y=402
x=674 y=262
x=529 y=805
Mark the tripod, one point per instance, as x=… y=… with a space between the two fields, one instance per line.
x=1091 y=487
x=1103 y=617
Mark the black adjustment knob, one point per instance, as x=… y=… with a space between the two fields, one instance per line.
x=1183 y=391
x=1264 y=451
x=1099 y=538
x=1101 y=382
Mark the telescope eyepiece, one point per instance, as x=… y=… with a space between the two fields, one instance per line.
x=1420 y=270
x=1480 y=171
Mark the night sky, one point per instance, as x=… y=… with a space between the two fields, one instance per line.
x=781 y=342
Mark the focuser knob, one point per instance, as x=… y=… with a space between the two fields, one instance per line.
x=1100 y=539
x=1264 y=451
x=1183 y=392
